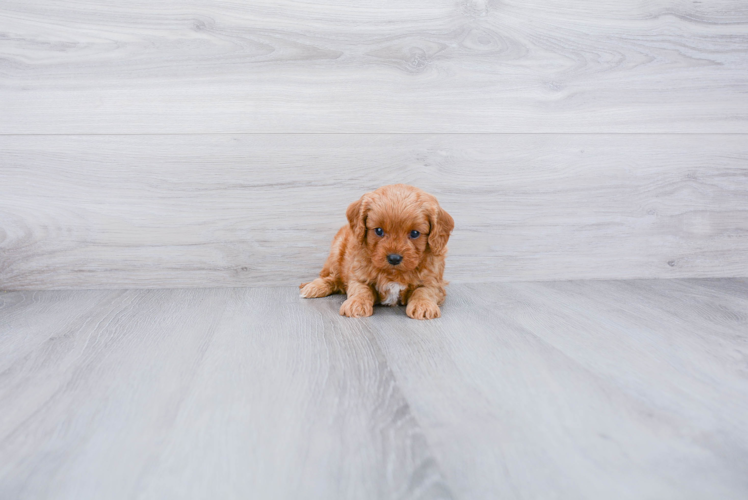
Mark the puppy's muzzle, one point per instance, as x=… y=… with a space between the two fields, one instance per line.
x=394 y=259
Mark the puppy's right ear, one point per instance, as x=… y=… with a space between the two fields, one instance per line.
x=356 y=214
x=442 y=225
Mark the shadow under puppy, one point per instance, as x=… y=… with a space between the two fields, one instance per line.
x=392 y=251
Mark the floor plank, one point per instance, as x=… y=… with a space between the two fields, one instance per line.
x=434 y=66
x=594 y=389
x=191 y=211
x=582 y=389
x=240 y=393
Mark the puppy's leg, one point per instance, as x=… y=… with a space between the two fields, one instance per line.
x=360 y=300
x=424 y=302
x=321 y=287
x=329 y=278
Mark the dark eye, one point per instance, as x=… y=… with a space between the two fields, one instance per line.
x=379 y=231
x=414 y=234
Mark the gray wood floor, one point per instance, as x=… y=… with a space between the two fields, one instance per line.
x=595 y=389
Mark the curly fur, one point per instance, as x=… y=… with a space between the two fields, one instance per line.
x=357 y=264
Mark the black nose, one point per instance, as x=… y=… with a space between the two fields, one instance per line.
x=394 y=259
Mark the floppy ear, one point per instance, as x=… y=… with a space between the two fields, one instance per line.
x=441 y=226
x=356 y=214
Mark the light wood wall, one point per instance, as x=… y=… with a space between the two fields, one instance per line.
x=193 y=143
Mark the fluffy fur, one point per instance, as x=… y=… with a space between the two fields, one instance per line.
x=358 y=266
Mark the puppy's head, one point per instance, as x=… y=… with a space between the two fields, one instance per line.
x=399 y=225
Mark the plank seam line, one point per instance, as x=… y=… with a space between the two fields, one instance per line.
x=372 y=334
x=159 y=134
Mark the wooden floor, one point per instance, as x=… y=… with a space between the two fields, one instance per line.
x=586 y=389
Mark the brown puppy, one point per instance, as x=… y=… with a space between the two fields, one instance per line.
x=391 y=252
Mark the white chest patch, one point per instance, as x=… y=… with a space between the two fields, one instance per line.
x=391 y=293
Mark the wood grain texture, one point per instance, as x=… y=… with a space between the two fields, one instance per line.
x=193 y=66
x=569 y=390
x=230 y=393
x=222 y=210
x=621 y=390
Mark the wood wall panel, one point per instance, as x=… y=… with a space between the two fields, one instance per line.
x=239 y=210
x=191 y=66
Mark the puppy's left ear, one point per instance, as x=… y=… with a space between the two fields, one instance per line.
x=441 y=226
x=356 y=214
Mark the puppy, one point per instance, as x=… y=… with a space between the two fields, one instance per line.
x=391 y=252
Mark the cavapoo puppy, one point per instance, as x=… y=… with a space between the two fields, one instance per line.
x=392 y=251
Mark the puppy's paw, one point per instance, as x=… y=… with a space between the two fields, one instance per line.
x=422 y=309
x=356 y=308
x=315 y=289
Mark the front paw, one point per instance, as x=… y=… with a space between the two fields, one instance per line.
x=357 y=308
x=423 y=309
